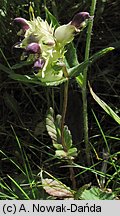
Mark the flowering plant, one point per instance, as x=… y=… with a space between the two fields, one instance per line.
x=45 y=45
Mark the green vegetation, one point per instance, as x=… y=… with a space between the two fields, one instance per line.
x=60 y=99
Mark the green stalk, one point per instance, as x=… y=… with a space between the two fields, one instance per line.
x=65 y=100
x=84 y=86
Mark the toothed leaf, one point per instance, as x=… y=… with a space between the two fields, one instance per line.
x=56 y=188
x=72 y=152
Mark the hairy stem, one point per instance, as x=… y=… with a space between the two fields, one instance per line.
x=84 y=87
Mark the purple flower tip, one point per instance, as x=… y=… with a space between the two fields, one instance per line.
x=39 y=63
x=79 y=18
x=22 y=22
x=33 y=48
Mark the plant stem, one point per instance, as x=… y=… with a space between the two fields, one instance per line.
x=72 y=175
x=84 y=86
x=65 y=99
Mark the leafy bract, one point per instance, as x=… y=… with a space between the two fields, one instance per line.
x=76 y=70
x=51 y=18
x=101 y=53
x=33 y=79
x=71 y=55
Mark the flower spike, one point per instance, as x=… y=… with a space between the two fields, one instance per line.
x=44 y=45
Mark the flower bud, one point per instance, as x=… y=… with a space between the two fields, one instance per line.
x=65 y=34
x=79 y=19
x=22 y=22
x=39 y=63
x=33 y=48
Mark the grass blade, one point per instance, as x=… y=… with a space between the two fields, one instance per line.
x=106 y=108
x=18 y=186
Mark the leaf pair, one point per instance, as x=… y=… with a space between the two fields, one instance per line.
x=53 y=126
x=73 y=67
x=56 y=188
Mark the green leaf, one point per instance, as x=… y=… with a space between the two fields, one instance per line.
x=76 y=70
x=67 y=138
x=60 y=153
x=50 y=125
x=58 y=146
x=58 y=121
x=58 y=127
x=72 y=152
x=106 y=108
x=71 y=55
x=81 y=190
x=53 y=126
x=50 y=18
x=101 y=53
x=33 y=79
x=56 y=188
x=96 y=194
x=54 y=83
x=24 y=78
